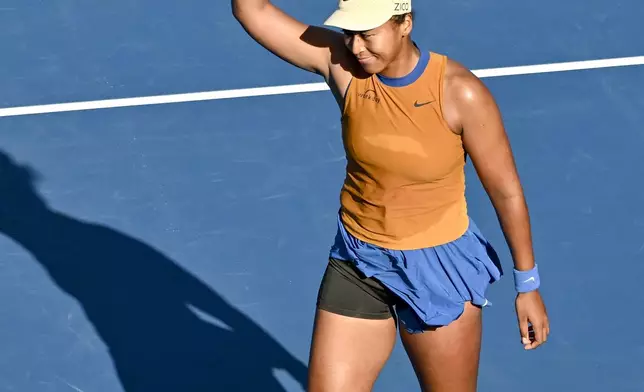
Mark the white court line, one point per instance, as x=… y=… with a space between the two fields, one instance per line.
x=298 y=88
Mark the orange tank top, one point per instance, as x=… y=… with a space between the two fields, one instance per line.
x=405 y=181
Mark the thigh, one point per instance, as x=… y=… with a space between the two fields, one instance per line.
x=446 y=359
x=354 y=332
x=348 y=353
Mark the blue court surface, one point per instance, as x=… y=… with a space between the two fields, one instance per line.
x=179 y=247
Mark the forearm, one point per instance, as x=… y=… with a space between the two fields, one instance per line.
x=515 y=222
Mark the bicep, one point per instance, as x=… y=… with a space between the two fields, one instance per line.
x=304 y=46
x=485 y=139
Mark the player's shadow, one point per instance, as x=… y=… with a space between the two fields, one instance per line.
x=154 y=316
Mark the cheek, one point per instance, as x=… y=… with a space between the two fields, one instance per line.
x=385 y=47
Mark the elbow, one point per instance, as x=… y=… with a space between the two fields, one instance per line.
x=241 y=9
x=235 y=9
x=509 y=203
x=505 y=189
x=506 y=195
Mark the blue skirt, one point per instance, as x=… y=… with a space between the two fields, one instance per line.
x=435 y=282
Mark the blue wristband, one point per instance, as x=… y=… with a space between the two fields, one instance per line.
x=526 y=281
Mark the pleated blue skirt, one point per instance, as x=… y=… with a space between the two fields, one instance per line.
x=434 y=282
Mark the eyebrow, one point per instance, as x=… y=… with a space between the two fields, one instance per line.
x=351 y=32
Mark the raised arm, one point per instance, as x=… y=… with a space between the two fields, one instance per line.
x=302 y=45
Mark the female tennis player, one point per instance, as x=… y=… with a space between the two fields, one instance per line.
x=406 y=253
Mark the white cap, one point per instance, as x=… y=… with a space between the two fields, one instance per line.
x=362 y=15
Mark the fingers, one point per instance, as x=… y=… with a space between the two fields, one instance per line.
x=538 y=334
x=525 y=329
x=539 y=337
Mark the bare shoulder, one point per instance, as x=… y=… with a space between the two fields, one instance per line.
x=462 y=84
x=465 y=95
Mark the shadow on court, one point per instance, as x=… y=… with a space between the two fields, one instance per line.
x=141 y=303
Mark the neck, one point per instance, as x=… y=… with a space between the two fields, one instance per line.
x=405 y=61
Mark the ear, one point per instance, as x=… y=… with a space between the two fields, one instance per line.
x=407 y=25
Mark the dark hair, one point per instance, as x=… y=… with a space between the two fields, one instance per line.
x=399 y=19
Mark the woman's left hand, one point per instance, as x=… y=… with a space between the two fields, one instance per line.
x=533 y=319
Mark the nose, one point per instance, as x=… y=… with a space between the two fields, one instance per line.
x=355 y=44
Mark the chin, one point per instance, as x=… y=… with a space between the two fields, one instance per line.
x=373 y=68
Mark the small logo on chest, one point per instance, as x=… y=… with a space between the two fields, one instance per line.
x=369 y=95
x=421 y=104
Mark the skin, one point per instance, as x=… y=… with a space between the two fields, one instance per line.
x=347 y=354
